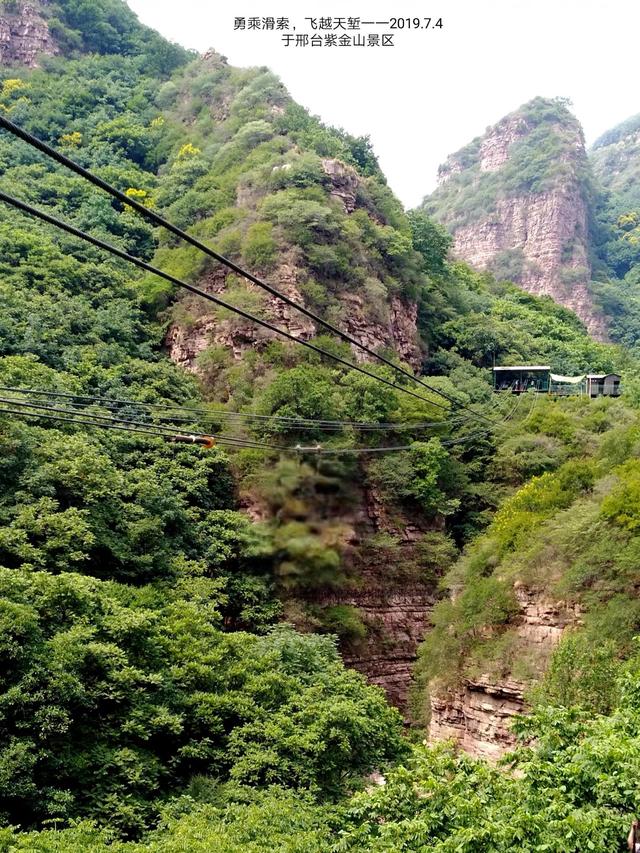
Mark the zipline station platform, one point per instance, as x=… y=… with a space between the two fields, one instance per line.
x=522 y=377
x=603 y=384
x=538 y=377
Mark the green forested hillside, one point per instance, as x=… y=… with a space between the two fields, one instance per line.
x=150 y=696
x=566 y=528
x=614 y=159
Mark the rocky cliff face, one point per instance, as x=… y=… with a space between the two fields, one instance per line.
x=394 y=604
x=185 y=342
x=397 y=328
x=24 y=35
x=478 y=713
x=396 y=607
x=516 y=203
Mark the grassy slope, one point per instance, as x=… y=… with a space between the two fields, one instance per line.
x=566 y=529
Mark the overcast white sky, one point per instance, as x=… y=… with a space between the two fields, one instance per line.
x=435 y=90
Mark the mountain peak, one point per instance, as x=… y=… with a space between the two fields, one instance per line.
x=491 y=150
x=516 y=201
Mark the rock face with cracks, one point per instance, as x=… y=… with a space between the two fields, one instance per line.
x=24 y=36
x=477 y=714
x=516 y=201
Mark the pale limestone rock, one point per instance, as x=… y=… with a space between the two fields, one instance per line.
x=477 y=717
x=494 y=151
x=477 y=714
x=541 y=225
x=24 y=36
x=549 y=228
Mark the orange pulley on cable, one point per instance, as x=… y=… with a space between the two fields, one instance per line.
x=206 y=441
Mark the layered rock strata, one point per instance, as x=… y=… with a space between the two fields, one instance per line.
x=24 y=35
x=477 y=714
x=516 y=202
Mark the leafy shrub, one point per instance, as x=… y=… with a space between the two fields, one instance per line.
x=582 y=674
x=538 y=499
x=420 y=475
x=623 y=504
x=259 y=248
x=174 y=696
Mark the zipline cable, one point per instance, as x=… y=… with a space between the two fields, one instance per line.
x=148 y=214
x=208 y=415
x=396 y=448
x=102 y=422
x=91 y=419
x=123 y=428
x=114 y=250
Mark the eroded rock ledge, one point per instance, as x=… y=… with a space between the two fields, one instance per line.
x=478 y=713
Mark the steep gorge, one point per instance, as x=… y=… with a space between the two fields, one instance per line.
x=308 y=208
x=361 y=288
x=147 y=584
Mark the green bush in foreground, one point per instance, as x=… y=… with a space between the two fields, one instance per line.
x=112 y=699
x=574 y=788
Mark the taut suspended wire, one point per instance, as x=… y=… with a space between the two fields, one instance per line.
x=114 y=250
x=208 y=415
x=80 y=418
x=51 y=152
x=97 y=417
x=399 y=447
x=89 y=419
x=223 y=442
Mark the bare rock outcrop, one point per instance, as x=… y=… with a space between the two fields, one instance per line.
x=24 y=35
x=197 y=330
x=395 y=606
x=516 y=204
x=550 y=231
x=477 y=714
x=493 y=148
x=477 y=717
x=344 y=182
x=398 y=615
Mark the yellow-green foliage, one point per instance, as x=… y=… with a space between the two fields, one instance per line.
x=622 y=506
x=12 y=94
x=538 y=499
x=187 y=150
x=259 y=248
x=71 y=140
